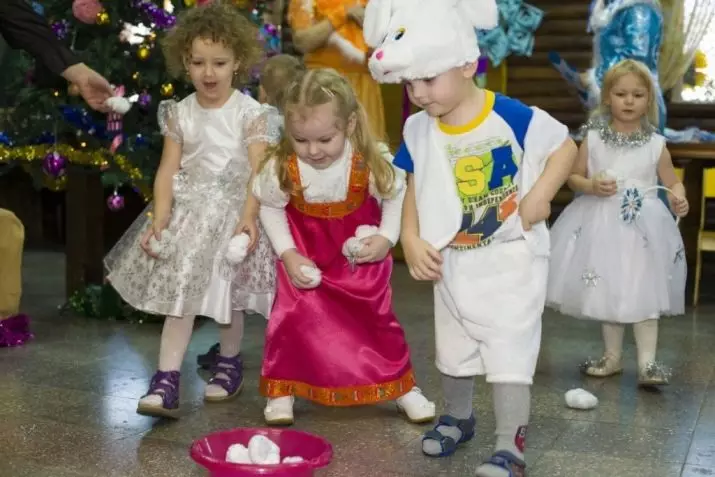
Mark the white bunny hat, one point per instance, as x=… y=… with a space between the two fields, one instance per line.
x=419 y=39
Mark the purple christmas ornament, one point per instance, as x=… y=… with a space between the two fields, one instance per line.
x=144 y=100
x=61 y=29
x=54 y=164
x=115 y=202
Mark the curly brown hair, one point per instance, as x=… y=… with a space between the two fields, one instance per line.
x=320 y=86
x=218 y=22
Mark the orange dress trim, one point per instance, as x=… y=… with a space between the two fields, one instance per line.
x=339 y=397
x=358 y=185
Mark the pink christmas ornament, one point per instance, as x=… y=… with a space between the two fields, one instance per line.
x=115 y=202
x=86 y=11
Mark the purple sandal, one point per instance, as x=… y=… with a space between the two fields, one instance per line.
x=166 y=385
x=233 y=369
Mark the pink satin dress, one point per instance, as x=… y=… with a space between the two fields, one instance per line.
x=339 y=344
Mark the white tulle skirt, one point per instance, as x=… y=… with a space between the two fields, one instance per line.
x=606 y=268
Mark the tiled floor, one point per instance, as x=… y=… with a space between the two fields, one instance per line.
x=67 y=401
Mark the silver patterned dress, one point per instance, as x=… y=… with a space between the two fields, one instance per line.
x=209 y=191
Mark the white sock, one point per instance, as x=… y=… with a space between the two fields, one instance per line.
x=613 y=339
x=231 y=336
x=646 y=334
x=175 y=339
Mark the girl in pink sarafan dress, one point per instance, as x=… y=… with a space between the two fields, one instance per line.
x=331 y=206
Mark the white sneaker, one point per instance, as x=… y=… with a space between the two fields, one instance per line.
x=416 y=406
x=279 y=411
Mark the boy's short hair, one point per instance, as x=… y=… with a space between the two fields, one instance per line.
x=277 y=74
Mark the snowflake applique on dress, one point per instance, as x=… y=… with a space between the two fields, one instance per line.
x=631 y=205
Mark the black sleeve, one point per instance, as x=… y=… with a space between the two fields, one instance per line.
x=24 y=29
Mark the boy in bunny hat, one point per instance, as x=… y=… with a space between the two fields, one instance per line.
x=483 y=169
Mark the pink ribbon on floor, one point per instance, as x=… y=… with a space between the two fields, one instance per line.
x=114 y=123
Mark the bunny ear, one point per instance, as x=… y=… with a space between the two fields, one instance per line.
x=376 y=22
x=481 y=14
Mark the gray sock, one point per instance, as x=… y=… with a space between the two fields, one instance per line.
x=458 y=394
x=512 y=406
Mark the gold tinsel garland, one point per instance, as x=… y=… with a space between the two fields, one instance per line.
x=94 y=158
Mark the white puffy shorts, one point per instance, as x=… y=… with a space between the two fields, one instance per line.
x=488 y=309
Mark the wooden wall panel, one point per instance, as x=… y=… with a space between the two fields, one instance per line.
x=534 y=81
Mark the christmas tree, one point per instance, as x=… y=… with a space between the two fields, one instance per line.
x=50 y=128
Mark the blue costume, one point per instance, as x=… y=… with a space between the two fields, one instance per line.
x=625 y=29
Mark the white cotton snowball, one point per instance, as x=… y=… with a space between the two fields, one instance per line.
x=161 y=248
x=292 y=460
x=238 y=454
x=118 y=104
x=352 y=247
x=581 y=399
x=312 y=273
x=238 y=248
x=364 y=231
x=263 y=451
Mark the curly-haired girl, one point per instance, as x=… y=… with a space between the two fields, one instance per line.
x=333 y=337
x=174 y=263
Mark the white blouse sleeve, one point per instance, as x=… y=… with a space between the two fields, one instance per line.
x=262 y=124
x=392 y=206
x=168 y=118
x=266 y=188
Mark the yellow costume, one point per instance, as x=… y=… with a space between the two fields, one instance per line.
x=345 y=51
x=13 y=327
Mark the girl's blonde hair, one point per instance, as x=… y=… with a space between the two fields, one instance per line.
x=620 y=70
x=220 y=23
x=321 y=86
x=277 y=74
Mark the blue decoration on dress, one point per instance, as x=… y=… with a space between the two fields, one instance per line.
x=631 y=205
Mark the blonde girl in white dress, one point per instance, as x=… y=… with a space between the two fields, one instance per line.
x=617 y=254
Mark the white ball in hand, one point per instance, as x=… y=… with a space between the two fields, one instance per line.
x=238 y=248
x=364 y=231
x=581 y=399
x=118 y=104
x=352 y=247
x=161 y=248
x=312 y=273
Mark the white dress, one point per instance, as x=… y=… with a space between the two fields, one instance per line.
x=193 y=277
x=609 y=262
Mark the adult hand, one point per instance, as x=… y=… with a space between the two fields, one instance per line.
x=94 y=88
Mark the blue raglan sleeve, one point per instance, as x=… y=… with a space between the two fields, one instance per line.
x=403 y=159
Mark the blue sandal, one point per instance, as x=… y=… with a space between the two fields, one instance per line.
x=449 y=445
x=509 y=462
